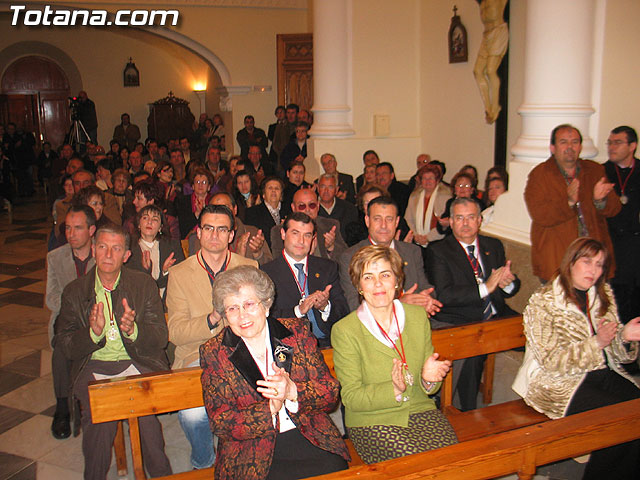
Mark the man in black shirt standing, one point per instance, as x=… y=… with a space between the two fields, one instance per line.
x=623 y=170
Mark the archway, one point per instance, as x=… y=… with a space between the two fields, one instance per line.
x=218 y=92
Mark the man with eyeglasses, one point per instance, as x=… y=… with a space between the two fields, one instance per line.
x=473 y=278
x=191 y=318
x=306 y=285
x=329 y=242
x=623 y=170
x=567 y=197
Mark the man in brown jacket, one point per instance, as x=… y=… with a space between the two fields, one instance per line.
x=192 y=320
x=567 y=197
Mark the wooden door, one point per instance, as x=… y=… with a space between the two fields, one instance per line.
x=36 y=92
x=23 y=111
x=295 y=69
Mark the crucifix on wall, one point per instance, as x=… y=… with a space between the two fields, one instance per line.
x=495 y=40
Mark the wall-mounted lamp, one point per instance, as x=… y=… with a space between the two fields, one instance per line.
x=201 y=93
x=262 y=88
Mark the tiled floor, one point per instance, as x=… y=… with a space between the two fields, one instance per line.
x=27 y=449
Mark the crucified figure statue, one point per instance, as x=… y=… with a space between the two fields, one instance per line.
x=495 y=40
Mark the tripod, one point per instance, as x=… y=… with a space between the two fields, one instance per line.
x=78 y=136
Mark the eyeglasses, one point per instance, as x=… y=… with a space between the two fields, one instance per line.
x=250 y=307
x=615 y=142
x=220 y=229
x=201 y=182
x=463 y=185
x=461 y=218
x=304 y=206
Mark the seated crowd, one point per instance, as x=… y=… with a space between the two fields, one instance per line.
x=255 y=269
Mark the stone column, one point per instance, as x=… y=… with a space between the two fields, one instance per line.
x=332 y=69
x=558 y=87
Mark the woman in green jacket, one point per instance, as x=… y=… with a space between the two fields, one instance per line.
x=386 y=365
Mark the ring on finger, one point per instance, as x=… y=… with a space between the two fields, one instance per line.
x=275 y=390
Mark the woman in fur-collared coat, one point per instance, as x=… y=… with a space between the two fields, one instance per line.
x=575 y=348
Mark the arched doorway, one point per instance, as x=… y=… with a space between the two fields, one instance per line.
x=35 y=93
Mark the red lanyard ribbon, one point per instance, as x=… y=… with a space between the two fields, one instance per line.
x=224 y=265
x=302 y=288
x=475 y=264
x=626 y=180
x=401 y=354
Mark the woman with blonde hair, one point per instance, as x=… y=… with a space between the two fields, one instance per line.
x=386 y=365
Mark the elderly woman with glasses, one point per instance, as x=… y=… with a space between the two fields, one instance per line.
x=387 y=366
x=266 y=388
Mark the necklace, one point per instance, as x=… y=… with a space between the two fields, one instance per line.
x=408 y=377
x=623 y=197
x=112 y=333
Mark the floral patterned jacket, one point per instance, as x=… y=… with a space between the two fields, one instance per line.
x=564 y=348
x=240 y=416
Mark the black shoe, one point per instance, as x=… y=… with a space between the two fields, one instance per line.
x=60 y=427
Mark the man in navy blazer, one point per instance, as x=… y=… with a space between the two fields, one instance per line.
x=473 y=278
x=306 y=285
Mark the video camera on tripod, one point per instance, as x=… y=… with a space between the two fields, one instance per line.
x=77 y=136
x=74 y=105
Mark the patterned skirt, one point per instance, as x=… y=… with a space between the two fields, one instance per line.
x=426 y=431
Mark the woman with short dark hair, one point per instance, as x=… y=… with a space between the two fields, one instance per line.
x=152 y=250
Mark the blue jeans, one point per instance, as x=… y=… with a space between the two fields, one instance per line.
x=195 y=425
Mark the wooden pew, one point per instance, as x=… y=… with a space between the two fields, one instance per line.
x=517 y=451
x=132 y=397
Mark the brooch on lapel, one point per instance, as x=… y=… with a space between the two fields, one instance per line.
x=317 y=275
x=487 y=253
x=406 y=263
x=282 y=356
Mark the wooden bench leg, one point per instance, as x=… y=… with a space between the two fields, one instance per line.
x=487 y=382
x=120 y=451
x=528 y=467
x=136 y=449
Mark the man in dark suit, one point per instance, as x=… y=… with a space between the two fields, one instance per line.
x=386 y=177
x=382 y=222
x=251 y=135
x=333 y=207
x=329 y=242
x=296 y=149
x=370 y=157
x=473 y=279
x=345 y=181
x=266 y=215
x=306 y=285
